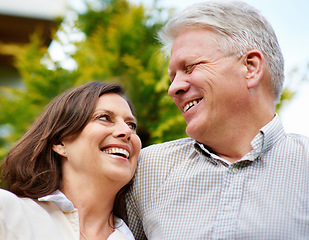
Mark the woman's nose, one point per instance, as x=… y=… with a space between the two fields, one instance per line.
x=122 y=130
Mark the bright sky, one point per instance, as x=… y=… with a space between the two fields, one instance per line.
x=290 y=20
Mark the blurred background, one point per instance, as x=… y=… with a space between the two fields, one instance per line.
x=47 y=47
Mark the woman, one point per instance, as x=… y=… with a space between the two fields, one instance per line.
x=72 y=168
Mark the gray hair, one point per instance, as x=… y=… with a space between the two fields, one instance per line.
x=240 y=28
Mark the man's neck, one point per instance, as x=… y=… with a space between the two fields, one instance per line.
x=235 y=144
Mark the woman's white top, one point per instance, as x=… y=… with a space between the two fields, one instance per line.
x=51 y=217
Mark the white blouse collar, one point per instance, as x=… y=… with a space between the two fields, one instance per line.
x=67 y=206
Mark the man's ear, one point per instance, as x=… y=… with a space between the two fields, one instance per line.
x=254 y=62
x=60 y=149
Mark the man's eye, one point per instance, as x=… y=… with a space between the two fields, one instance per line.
x=189 y=68
x=132 y=125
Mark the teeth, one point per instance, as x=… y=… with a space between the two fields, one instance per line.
x=190 y=104
x=117 y=150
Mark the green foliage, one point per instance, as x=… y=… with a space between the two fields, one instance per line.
x=19 y=107
x=294 y=79
x=120 y=46
x=286 y=95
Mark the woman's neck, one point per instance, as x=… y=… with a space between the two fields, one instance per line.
x=94 y=206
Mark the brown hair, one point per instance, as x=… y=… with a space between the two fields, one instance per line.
x=31 y=168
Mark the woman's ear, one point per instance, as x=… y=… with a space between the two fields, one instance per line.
x=254 y=62
x=60 y=149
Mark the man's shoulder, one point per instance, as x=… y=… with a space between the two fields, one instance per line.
x=170 y=145
x=298 y=136
x=171 y=152
x=298 y=139
x=294 y=144
x=156 y=163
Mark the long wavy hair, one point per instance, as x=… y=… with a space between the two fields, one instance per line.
x=31 y=168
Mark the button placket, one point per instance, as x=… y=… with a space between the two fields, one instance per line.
x=229 y=203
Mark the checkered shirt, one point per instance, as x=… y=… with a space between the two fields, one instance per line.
x=182 y=191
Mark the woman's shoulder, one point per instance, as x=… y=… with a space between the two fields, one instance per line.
x=11 y=203
x=7 y=194
x=7 y=197
x=24 y=217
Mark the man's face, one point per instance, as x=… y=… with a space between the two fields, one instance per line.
x=208 y=87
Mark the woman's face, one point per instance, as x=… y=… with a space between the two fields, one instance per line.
x=108 y=147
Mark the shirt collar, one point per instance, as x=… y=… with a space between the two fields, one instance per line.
x=261 y=143
x=67 y=206
x=266 y=138
x=60 y=200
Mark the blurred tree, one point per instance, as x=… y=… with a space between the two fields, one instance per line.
x=20 y=107
x=295 y=78
x=119 y=46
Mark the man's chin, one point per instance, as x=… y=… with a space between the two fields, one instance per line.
x=192 y=131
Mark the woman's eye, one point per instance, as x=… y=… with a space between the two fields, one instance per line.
x=104 y=118
x=132 y=125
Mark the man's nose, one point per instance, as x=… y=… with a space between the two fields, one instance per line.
x=179 y=85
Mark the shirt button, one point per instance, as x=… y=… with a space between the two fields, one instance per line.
x=235 y=170
x=228 y=208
